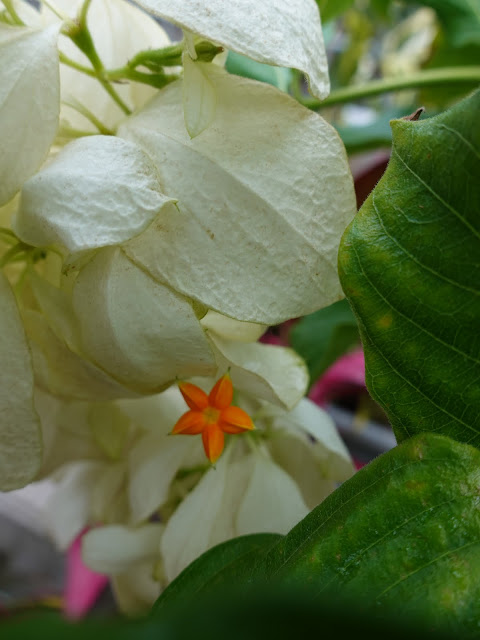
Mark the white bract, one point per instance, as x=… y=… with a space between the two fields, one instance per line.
x=147 y=247
x=285 y=33
x=29 y=102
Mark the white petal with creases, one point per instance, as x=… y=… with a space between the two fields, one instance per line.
x=98 y=191
x=29 y=102
x=286 y=33
x=276 y=374
x=20 y=435
x=262 y=202
x=140 y=331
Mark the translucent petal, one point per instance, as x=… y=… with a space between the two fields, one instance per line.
x=256 y=232
x=199 y=97
x=286 y=33
x=68 y=509
x=20 y=434
x=275 y=374
x=119 y=31
x=329 y=448
x=272 y=503
x=63 y=372
x=115 y=549
x=189 y=530
x=136 y=590
x=98 y=191
x=141 y=332
x=29 y=102
x=231 y=329
x=153 y=463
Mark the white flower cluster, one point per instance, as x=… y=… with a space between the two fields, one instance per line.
x=154 y=221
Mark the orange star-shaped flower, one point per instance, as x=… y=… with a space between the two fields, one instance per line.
x=212 y=415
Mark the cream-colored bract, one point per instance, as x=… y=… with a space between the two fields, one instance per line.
x=20 y=436
x=256 y=234
x=276 y=374
x=98 y=191
x=199 y=97
x=29 y=102
x=285 y=33
x=119 y=30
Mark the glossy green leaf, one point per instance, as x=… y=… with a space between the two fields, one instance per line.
x=261 y=615
x=409 y=264
x=322 y=337
x=227 y=563
x=402 y=534
x=459 y=18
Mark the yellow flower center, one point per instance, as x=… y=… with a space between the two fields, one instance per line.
x=211 y=415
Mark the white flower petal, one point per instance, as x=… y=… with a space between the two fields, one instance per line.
x=20 y=435
x=286 y=33
x=231 y=329
x=190 y=528
x=63 y=372
x=68 y=509
x=115 y=549
x=155 y=413
x=98 y=191
x=119 y=31
x=296 y=454
x=329 y=447
x=136 y=590
x=109 y=427
x=153 y=464
x=136 y=329
x=262 y=204
x=29 y=102
x=199 y=97
x=238 y=477
x=276 y=374
x=272 y=503
x=109 y=497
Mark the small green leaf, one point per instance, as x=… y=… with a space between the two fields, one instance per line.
x=402 y=534
x=409 y=264
x=322 y=337
x=228 y=563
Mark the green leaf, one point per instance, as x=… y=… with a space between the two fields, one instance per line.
x=322 y=337
x=402 y=534
x=409 y=264
x=459 y=18
x=227 y=563
x=279 y=77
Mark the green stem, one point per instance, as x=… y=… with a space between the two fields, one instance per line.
x=75 y=65
x=11 y=10
x=11 y=253
x=86 y=113
x=81 y=37
x=429 y=78
x=82 y=18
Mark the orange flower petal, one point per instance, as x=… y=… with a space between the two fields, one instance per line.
x=221 y=395
x=196 y=398
x=235 y=420
x=213 y=442
x=191 y=423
